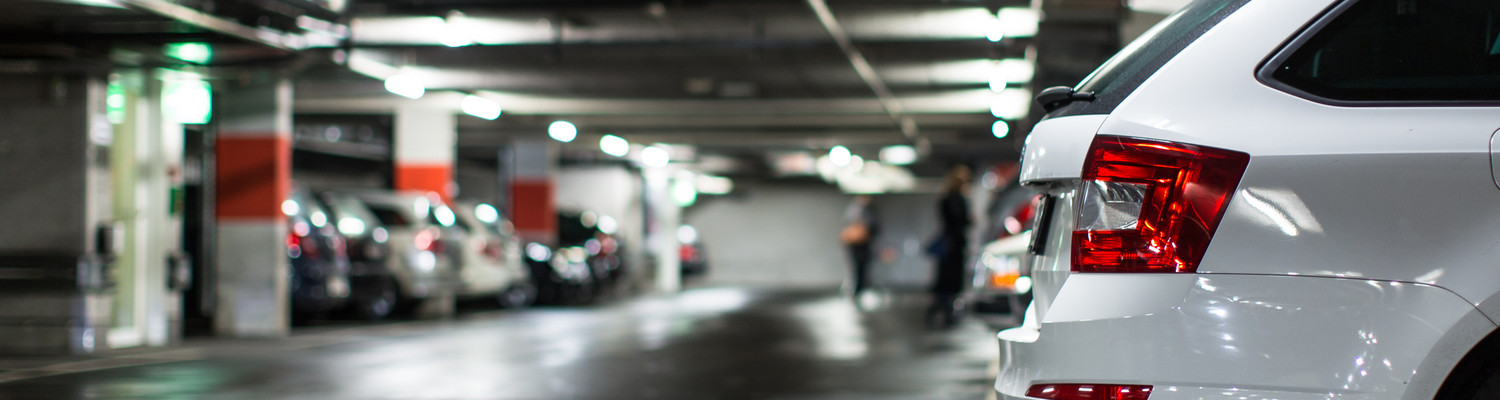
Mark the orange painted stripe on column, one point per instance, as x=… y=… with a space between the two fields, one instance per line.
x=254 y=175
x=532 y=207
x=425 y=178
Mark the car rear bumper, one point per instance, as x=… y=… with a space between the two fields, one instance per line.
x=1245 y=336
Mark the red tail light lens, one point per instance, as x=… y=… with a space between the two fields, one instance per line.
x=1089 y=392
x=1151 y=206
x=425 y=240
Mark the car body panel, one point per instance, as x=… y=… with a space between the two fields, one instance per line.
x=481 y=273
x=1056 y=147
x=419 y=273
x=1244 y=332
x=1358 y=235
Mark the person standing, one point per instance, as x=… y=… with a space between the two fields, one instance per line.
x=860 y=228
x=951 y=244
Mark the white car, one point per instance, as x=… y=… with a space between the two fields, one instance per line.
x=491 y=261
x=1271 y=199
x=420 y=229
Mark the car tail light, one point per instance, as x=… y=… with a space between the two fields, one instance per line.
x=1089 y=392
x=426 y=240
x=493 y=249
x=1151 y=206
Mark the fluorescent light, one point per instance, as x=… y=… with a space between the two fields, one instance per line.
x=1011 y=70
x=405 y=85
x=1018 y=21
x=684 y=192
x=994 y=31
x=614 y=145
x=655 y=156
x=563 y=131
x=898 y=155
x=481 y=107
x=709 y=184
x=197 y=53
x=839 y=155
x=1011 y=104
x=188 y=100
x=1001 y=129
x=486 y=213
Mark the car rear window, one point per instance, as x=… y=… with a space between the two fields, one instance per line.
x=1122 y=74
x=389 y=216
x=1397 y=51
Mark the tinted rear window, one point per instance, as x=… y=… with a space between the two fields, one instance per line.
x=1400 y=51
x=390 y=217
x=1123 y=73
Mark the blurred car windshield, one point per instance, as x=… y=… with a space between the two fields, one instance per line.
x=571 y=231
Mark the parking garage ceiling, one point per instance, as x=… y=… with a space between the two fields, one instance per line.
x=729 y=76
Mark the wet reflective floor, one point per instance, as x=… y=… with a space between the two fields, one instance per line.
x=711 y=343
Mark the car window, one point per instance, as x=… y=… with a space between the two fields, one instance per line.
x=1400 y=50
x=390 y=216
x=571 y=230
x=1126 y=70
x=349 y=207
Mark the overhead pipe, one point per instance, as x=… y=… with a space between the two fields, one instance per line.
x=212 y=23
x=907 y=126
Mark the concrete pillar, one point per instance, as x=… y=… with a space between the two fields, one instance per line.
x=254 y=178
x=426 y=140
x=533 y=202
x=663 y=219
x=54 y=201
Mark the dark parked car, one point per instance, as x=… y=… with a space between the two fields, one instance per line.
x=373 y=293
x=603 y=250
x=561 y=275
x=320 y=266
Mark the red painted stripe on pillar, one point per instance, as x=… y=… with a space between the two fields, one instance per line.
x=533 y=209
x=436 y=178
x=254 y=175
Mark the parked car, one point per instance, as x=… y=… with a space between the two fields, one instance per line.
x=690 y=252
x=319 y=280
x=602 y=249
x=492 y=263
x=1002 y=271
x=561 y=274
x=418 y=229
x=374 y=291
x=1288 y=199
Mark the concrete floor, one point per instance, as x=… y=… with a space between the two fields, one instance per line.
x=711 y=343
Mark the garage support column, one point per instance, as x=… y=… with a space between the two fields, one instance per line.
x=54 y=146
x=426 y=140
x=425 y=145
x=533 y=203
x=254 y=178
x=661 y=233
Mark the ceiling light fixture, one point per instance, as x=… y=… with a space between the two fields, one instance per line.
x=1001 y=129
x=898 y=155
x=481 y=107
x=614 y=145
x=1018 y=21
x=655 y=157
x=563 y=131
x=839 y=155
x=405 y=85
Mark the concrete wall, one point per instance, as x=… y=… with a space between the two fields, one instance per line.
x=47 y=158
x=786 y=233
